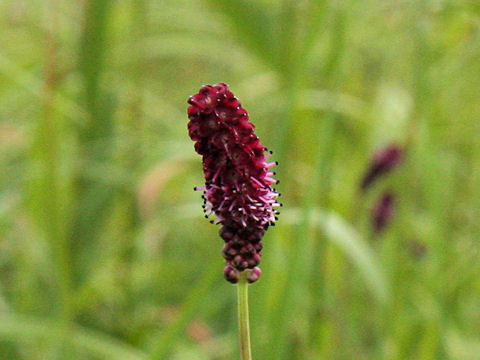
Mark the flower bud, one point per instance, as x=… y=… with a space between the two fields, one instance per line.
x=254 y=274
x=231 y=274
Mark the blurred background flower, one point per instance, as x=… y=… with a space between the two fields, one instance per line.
x=384 y=161
x=383 y=211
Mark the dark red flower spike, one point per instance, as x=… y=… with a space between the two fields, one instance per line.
x=383 y=162
x=238 y=179
x=383 y=211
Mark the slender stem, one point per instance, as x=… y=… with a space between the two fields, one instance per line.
x=243 y=322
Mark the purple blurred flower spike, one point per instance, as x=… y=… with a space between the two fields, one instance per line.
x=383 y=212
x=238 y=179
x=383 y=162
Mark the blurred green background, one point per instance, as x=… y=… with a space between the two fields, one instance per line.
x=104 y=251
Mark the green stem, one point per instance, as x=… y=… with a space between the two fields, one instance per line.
x=243 y=322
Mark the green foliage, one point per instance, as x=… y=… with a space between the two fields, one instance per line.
x=104 y=252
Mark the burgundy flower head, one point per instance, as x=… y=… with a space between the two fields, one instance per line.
x=383 y=162
x=237 y=177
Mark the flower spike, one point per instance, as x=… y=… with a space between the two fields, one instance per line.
x=383 y=211
x=238 y=179
x=382 y=163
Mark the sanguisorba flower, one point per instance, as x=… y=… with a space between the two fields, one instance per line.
x=238 y=180
x=383 y=161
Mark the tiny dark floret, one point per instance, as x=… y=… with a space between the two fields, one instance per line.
x=238 y=178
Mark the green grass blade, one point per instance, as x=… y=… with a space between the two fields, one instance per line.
x=251 y=25
x=19 y=328
x=351 y=243
x=165 y=338
x=357 y=250
x=34 y=84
